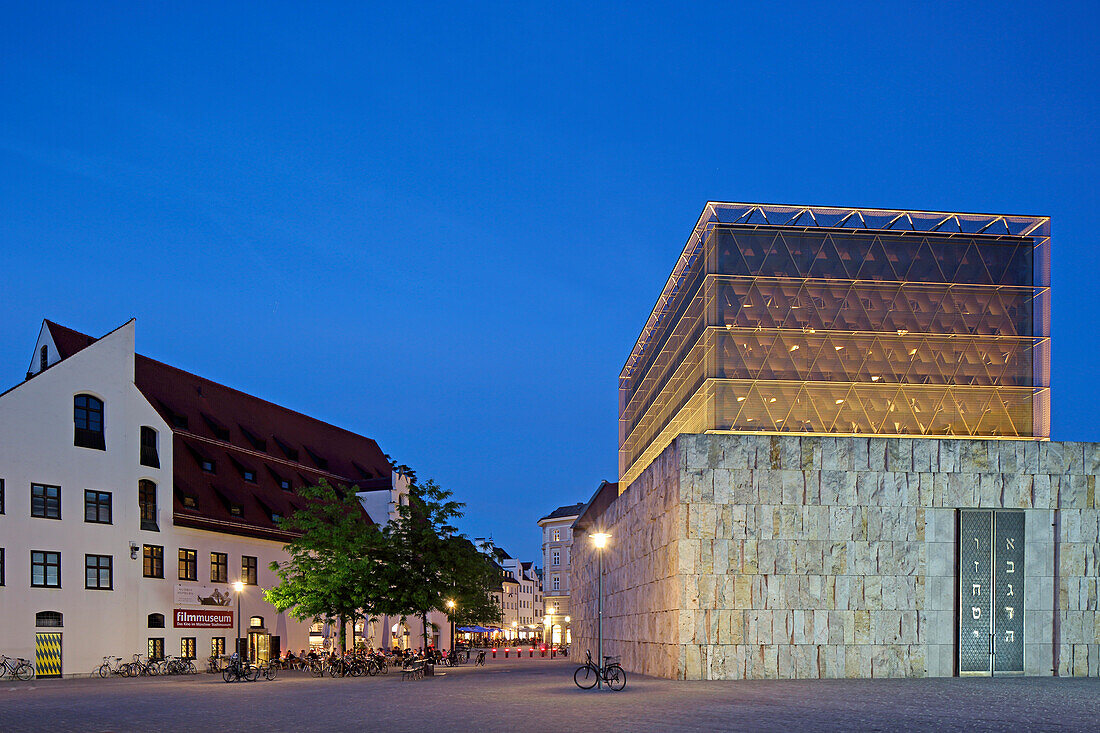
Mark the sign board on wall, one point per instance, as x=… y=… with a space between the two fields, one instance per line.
x=202 y=618
x=195 y=594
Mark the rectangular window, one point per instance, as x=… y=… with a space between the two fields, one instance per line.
x=557 y=535
x=156 y=648
x=45 y=501
x=153 y=561
x=149 y=455
x=219 y=567
x=555 y=557
x=97 y=506
x=248 y=570
x=97 y=572
x=217 y=646
x=249 y=476
x=189 y=565
x=1 y=496
x=147 y=502
x=208 y=466
x=187 y=647
x=555 y=582
x=1 y=566
x=45 y=569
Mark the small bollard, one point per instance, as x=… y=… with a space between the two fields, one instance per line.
x=543 y=653
x=531 y=653
x=505 y=652
x=552 y=650
x=494 y=653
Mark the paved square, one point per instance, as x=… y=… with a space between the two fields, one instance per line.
x=539 y=695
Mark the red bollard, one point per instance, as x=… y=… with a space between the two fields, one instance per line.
x=505 y=652
x=531 y=653
x=494 y=653
x=552 y=650
x=542 y=652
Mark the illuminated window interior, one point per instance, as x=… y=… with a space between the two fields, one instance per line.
x=786 y=319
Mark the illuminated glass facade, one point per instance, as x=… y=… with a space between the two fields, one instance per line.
x=787 y=319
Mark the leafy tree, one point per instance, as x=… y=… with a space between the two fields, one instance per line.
x=420 y=552
x=332 y=572
x=474 y=580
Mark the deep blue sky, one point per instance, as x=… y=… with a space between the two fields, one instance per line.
x=444 y=227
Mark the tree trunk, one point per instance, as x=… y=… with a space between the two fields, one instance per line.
x=424 y=618
x=343 y=634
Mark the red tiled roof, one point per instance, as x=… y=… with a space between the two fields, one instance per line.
x=240 y=433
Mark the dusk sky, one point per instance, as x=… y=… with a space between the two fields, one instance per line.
x=444 y=226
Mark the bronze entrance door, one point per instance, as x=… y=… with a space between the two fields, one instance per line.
x=991 y=592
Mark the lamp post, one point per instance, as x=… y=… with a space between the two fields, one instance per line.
x=548 y=626
x=515 y=631
x=239 y=588
x=451 y=613
x=599 y=541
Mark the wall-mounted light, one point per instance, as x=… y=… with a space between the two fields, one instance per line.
x=134 y=550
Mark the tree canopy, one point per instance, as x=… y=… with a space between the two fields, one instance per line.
x=343 y=565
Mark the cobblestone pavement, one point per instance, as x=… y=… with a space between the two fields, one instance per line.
x=533 y=695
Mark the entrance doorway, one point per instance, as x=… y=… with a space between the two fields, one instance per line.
x=991 y=592
x=47 y=653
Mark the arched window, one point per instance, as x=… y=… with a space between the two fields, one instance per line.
x=44 y=358
x=47 y=618
x=88 y=422
x=256 y=622
x=147 y=501
x=149 y=455
x=156 y=621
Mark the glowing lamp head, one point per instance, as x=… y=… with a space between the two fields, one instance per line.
x=238 y=586
x=451 y=605
x=599 y=539
x=567 y=619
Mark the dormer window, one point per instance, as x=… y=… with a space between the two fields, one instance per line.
x=189 y=502
x=290 y=453
x=220 y=431
x=318 y=461
x=236 y=510
x=284 y=484
x=44 y=358
x=208 y=465
x=88 y=422
x=249 y=476
x=256 y=442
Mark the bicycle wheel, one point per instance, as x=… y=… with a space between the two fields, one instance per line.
x=104 y=670
x=585 y=677
x=252 y=673
x=271 y=672
x=316 y=670
x=616 y=677
x=24 y=671
x=190 y=668
x=227 y=674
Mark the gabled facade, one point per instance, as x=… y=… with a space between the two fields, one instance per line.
x=133 y=494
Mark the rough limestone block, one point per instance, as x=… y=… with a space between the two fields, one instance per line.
x=1038 y=659
x=1051 y=458
x=989 y=490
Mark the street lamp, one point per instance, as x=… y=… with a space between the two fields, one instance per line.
x=548 y=625
x=515 y=630
x=451 y=613
x=239 y=588
x=599 y=541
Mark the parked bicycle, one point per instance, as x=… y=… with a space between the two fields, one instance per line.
x=18 y=668
x=238 y=670
x=108 y=668
x=589 y=674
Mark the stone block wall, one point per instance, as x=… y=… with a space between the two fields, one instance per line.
x=641 y=576
x=801 y=557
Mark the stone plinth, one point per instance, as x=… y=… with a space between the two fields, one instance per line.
x=741 y=556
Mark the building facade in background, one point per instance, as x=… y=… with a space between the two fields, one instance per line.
x=134 y=494
x=831 y=321
x=557 y=542
x=835 y=458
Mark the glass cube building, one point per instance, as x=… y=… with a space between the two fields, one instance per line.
x=834 y=321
